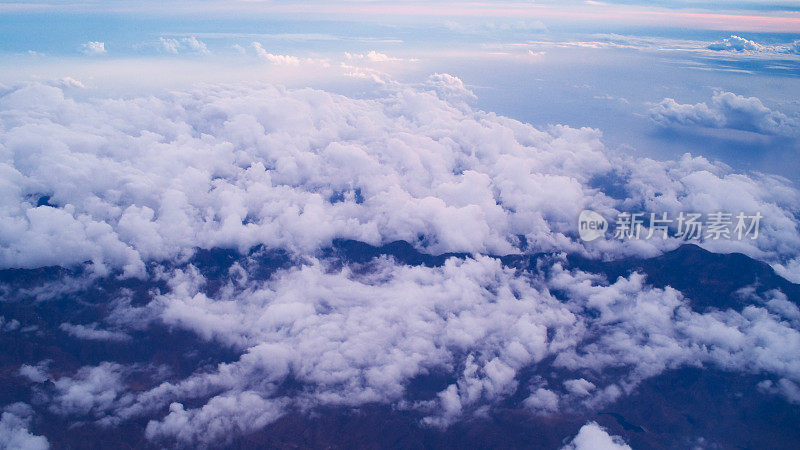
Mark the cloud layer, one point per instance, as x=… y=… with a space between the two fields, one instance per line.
x=133 y=180
x=727 y=110
x=356 y=334
x=135 y=186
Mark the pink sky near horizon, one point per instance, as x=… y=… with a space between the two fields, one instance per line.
x=587 y=12
x=593 y=12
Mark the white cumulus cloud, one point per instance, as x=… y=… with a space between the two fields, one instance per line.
x=736 y=43
x=594 y=437
x=93 y=48
x=184 y=45
x=281 y=60
x=14 y=433
x=727 y=110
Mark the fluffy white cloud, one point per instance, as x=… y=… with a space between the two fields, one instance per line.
x=169 y=45
x=671 y=112
x=371 y=56
x=736 y=43
x=221 y=419
x=594 y=437
x=281 y=60
x=127 y=182
x=359 y=335
x=189 y=44
x=579 y=386
x=731 y=46
x=786 y=388
x=450 y=88
x=727 y=110
x=92 y=391
x=790 y=270
x=93 y=48
x=542 y=400
x=14 y=434
x=195 y=45
x=36 y=374
x=133 y=180
x=745 y=46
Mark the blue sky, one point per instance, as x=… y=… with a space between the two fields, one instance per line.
x=596 y=64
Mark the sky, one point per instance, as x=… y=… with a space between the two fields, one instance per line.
x=597 y=64
x=135 y=135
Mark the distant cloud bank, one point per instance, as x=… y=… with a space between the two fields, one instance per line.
x=727 y=110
